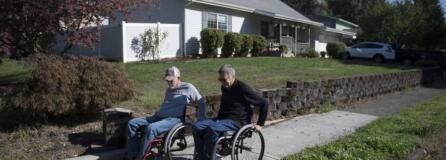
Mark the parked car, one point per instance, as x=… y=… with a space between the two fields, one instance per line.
x=379 y=52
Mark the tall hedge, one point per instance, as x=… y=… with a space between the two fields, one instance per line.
x=232 y=44
x=211 y=40
x=337 y=50
x=258 y=46
x=64 y=87
x=245 y=47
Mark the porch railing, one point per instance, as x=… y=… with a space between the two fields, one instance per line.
x=295 y=47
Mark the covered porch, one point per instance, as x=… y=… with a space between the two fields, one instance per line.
x=297 y=36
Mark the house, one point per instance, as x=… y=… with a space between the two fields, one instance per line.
x=335 y=30
x=183 y=20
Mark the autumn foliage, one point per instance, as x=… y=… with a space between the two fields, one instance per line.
x=62 y=87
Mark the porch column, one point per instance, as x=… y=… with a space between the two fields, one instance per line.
x=309 y=35
x=280 y=33
x=295 y=40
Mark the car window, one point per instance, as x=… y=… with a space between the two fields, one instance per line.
x=360 y=46
x=368 y=45
x=375 y=46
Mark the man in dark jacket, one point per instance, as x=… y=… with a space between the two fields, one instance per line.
x=235 y=111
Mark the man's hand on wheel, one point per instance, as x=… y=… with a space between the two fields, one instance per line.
x=257 y=128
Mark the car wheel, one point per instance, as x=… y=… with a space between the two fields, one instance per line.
x=407 y=62
x=378 y=58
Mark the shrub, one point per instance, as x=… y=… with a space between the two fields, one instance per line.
x=61 y=87
x=312 y=53
x=337 y=50
x=232 y=43
x=323 y=54
x=258 y=45
x=245 y=47
x=425 y=63
x=283 y=48
x=148 y=43
x=211 y=40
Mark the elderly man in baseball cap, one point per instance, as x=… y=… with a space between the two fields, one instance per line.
x=177 y=96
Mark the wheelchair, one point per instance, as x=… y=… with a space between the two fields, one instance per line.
x=173 y=145
x=245 y=144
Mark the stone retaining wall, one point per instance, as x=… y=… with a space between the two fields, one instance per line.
x=301 y=97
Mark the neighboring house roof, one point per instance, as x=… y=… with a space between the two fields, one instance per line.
x=271 y=8
x=348 y=22
x=343 y=32
x=325 y=19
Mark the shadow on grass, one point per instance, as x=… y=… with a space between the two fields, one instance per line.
x=387 y=64
x=86 y=139
x=94 y=142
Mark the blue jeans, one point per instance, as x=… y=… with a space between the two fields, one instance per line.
x=155 y=126
x=206 y=135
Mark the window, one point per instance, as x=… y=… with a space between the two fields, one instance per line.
x=368 y=45
x=217 y=21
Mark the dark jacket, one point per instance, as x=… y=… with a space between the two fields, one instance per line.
x=236 y=101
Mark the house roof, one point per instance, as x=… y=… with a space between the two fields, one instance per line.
x=271 y=8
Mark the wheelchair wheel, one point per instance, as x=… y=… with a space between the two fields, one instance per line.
x=222 y=148
x=248 y=144
x=179 y=146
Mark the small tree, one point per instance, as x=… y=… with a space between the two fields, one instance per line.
x=148 y=44
x=283 y=49
x=32 y=25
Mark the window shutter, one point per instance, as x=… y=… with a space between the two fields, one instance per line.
x=229 y=23
x=204 y=20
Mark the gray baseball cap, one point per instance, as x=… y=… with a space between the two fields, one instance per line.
x=172 y=73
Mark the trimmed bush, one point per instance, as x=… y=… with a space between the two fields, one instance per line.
x=63 y=87
x=245 y=47
x=258 y=45
x=337 y=50
x=312 y=53
x=283 y=48
x=232 y=44
x=211 y=40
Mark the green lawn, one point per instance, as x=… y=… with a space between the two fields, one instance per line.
x=264 y=72
x=392 y=137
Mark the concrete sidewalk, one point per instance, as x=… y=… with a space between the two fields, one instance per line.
x=307 y=131
x=296 y=134
x=293 y=135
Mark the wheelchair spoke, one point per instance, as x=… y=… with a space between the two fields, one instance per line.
x=249 y=146
x=179 y=151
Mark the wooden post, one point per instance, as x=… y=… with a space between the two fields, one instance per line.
x=295 y=41
x=280 y=33
x=309 y=35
